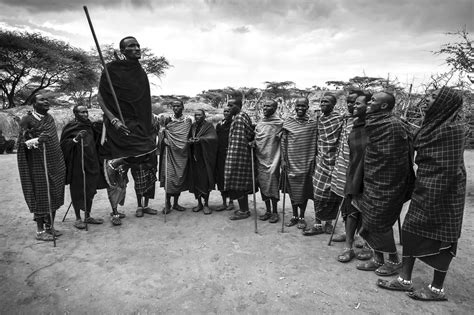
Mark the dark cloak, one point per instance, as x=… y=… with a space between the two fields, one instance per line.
x=222 y=130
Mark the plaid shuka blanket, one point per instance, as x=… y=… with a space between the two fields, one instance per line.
x=338 y=179
x=387 y=171
x=31 y=165
x=267 y=140
x=329 y=130
x=238 y=166
x=437 y=205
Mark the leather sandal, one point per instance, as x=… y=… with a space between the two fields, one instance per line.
x=43 y=236
x=370 y=265
x=394 y=285
x=427 y=294
x=346 y=256
x=388 y=269
x=266 y=216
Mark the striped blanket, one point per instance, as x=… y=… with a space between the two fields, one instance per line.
x=267 y=141
x=338 y=179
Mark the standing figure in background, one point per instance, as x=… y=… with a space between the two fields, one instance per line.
x=222 y=130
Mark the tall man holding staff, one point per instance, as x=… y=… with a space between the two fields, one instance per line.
x=129 y=142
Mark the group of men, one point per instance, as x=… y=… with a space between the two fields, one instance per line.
x=360 y=164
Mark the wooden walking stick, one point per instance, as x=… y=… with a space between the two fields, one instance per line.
x=253 y=189
x=166 y=178
x=84 y=182
x=335 y=222
x=49 y=194
x=103 y=64
x=67 y=211
x=284 y=198
x=400 y=231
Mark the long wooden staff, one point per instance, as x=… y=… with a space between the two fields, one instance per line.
x=253 y=188
x=166 y=178
x=84 y=182
x=335 y=222
x=49 y=195
x=103 y=64
x=284 y=173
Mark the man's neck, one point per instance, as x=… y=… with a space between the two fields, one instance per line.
x=178 y=117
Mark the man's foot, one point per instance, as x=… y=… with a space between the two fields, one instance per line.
x=339 y=238
x=139 y=212
x=207 y=210
x=116 y=220
x=239 y=215
x=178 y=208
x=120 y=214
x=317 y=229
x=358 y=243
x=149 y=210
x=346 y=256
x=388 y=269
x=230 y=207
x=79 y=225
x=43 y=236
x=395 y=284
x=50 y=232
x=370 y=265
x=264 y=217
x=301 y=224
x=428 y=294
x=166 y=210
x=293 y=221
x=275 y=218
x=221 y=208
x=364 y=254
x=91 y=220
x=198 y=208
x=328 y=227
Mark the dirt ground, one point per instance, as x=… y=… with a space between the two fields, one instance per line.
x=196 y=264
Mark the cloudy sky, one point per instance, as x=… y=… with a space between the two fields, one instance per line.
x=242 y=43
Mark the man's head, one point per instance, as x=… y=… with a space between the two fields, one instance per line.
x=130 y=48
x=41 y=103
x=301 y=106
x=360 y=105
x=81 y=113
x=226 y=113
x=430 y=99
x=381 y=101
x=350 y=99
x=235 y=106
x=269 y=108
x=178 y=107
x=199 y=115
x=327 y=104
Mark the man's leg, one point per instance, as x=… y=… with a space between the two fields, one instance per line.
x=294 y=218
x=41 y=234
x=200 y=206
x=275 y=216
x=206 y=208
x=301 y=220
x=243 y=212
x=139 y=211
x=176 y=206
x=267 y=215
x=350 y=226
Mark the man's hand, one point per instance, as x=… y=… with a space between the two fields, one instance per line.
x=166 y=141
x=80 y=135
x=252 y=144
x=121 y=127
x=42 y=139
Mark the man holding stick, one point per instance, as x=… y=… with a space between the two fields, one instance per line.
x=38 y=132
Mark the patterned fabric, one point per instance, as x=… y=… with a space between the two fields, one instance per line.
x=298 y=148
x=144 y=175
x=437 y=205
x=238 y=166
x=222 y=130
x=326 y=209
x=387 y=171
x=31 y=165
x=329 y=130
x=355 y=172
x=338 y=179
x=177 y=132
x=267 y=141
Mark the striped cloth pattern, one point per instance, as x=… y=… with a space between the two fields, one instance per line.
x=31 y=165
x=238 y=166
x=177 y=132
x=437 y=206
x=338 y=179
x=298 y=147
x=267 y=140
x=329 y=130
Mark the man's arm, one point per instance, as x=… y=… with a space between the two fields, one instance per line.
x=119 y=125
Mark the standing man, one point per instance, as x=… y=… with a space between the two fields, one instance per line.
x=202 y=156
x=432 y=226
x=175 y=148
x=38 y=128
x=326 y=202
x=388 y=173
x=222 y=130
x=267 y=145
x=76 y=130
x=130 y=141
x=6 y=145
x=298 y=149
x=238 y=166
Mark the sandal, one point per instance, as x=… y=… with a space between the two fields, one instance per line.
x=301 y=224
x=239 y=215
x=388 y=269
x=207 y=210
x=328 y=227
x=274 y=218
x=56 y=232
x=121 y=214
x=149 y=210
x=179 y=208
x=197 y=208
x=370 y=265
x=220 y=208
x=346 y=256
x=79 y=225
x=166 y=210
x=230 y=207
x=364 y=254
x=293 y=221
x=317 y=229
x=359 y=243
x=427 y=294
x=43 y=236
x=91 y=220
x=339 y=238
x=116 y=220
x=395 y=285
x=266 y=216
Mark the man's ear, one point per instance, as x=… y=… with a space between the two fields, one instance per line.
x=384 y=106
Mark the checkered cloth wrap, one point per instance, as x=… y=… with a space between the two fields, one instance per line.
x=177 y=132
x=144 y=176
x=338 y=179
x=238 y=166
x=387 y=170
x=329 y=131
x=31 y=165
x=437 y=205
x=267 y=140
x=298 y=148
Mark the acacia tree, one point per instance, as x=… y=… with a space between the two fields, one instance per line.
x=30 y=62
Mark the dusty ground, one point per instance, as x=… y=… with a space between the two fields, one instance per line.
x=197 y=264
